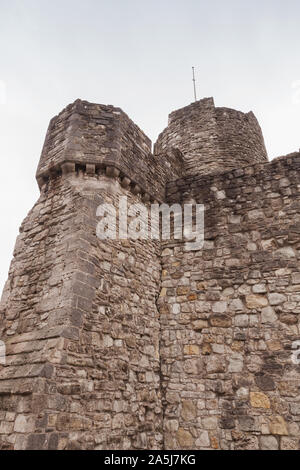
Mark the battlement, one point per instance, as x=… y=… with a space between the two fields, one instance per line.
x=200 y=139
x=102 y=139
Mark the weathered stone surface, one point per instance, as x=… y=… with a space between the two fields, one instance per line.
x=288 y=443
x=191 y=349
x=144 y=344
x=268 y=315
x=24 y=424
x=222 y=321
x=227 y=422
x=185 y=439
x=241 y=320
x=189 y=410
x=276 y=299
x=295 y=408
x=256 y=301
x=219 y=307
x=269 y=443
x=198 y=325
x=236 y=363
x=213 y=139
x=265 y=382
x=247 y=423
x=259 y=400
x=278 y=426
x=203 y=440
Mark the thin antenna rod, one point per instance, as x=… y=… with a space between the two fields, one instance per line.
x=194 y=81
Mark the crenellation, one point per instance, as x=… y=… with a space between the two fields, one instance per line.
x=104 y=136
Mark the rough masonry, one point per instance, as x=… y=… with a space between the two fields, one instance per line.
x=140 y=344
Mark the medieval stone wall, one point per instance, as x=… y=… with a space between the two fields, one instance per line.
x=140 y=344
x=95 y=137
x=80 y=322
x=230 y=313
x=35 y=315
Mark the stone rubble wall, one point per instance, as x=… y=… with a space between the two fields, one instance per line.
x=80 y=321
x=123 y=344
x=35 y=316
x=230 y=313
x=93 y=137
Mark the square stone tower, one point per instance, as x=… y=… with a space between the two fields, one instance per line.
x=140 y=344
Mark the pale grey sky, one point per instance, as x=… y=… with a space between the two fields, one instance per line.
x=138 y=54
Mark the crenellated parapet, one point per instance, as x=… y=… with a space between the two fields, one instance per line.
x=98 y=139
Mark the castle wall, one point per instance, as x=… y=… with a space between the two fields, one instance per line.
x=35 y=316
x=138 y=344
x=213 y=140
x=80 y=321
x=119 y=339
x=230 y=313
x=79 y=315
x=95 y=137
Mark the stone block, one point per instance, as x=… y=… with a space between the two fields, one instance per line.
x=259 y=400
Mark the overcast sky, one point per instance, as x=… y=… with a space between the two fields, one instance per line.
x=138 y=54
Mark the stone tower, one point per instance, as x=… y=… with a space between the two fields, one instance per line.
x=140 y=344
x=212 y=139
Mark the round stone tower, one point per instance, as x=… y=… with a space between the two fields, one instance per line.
x=211 y=139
